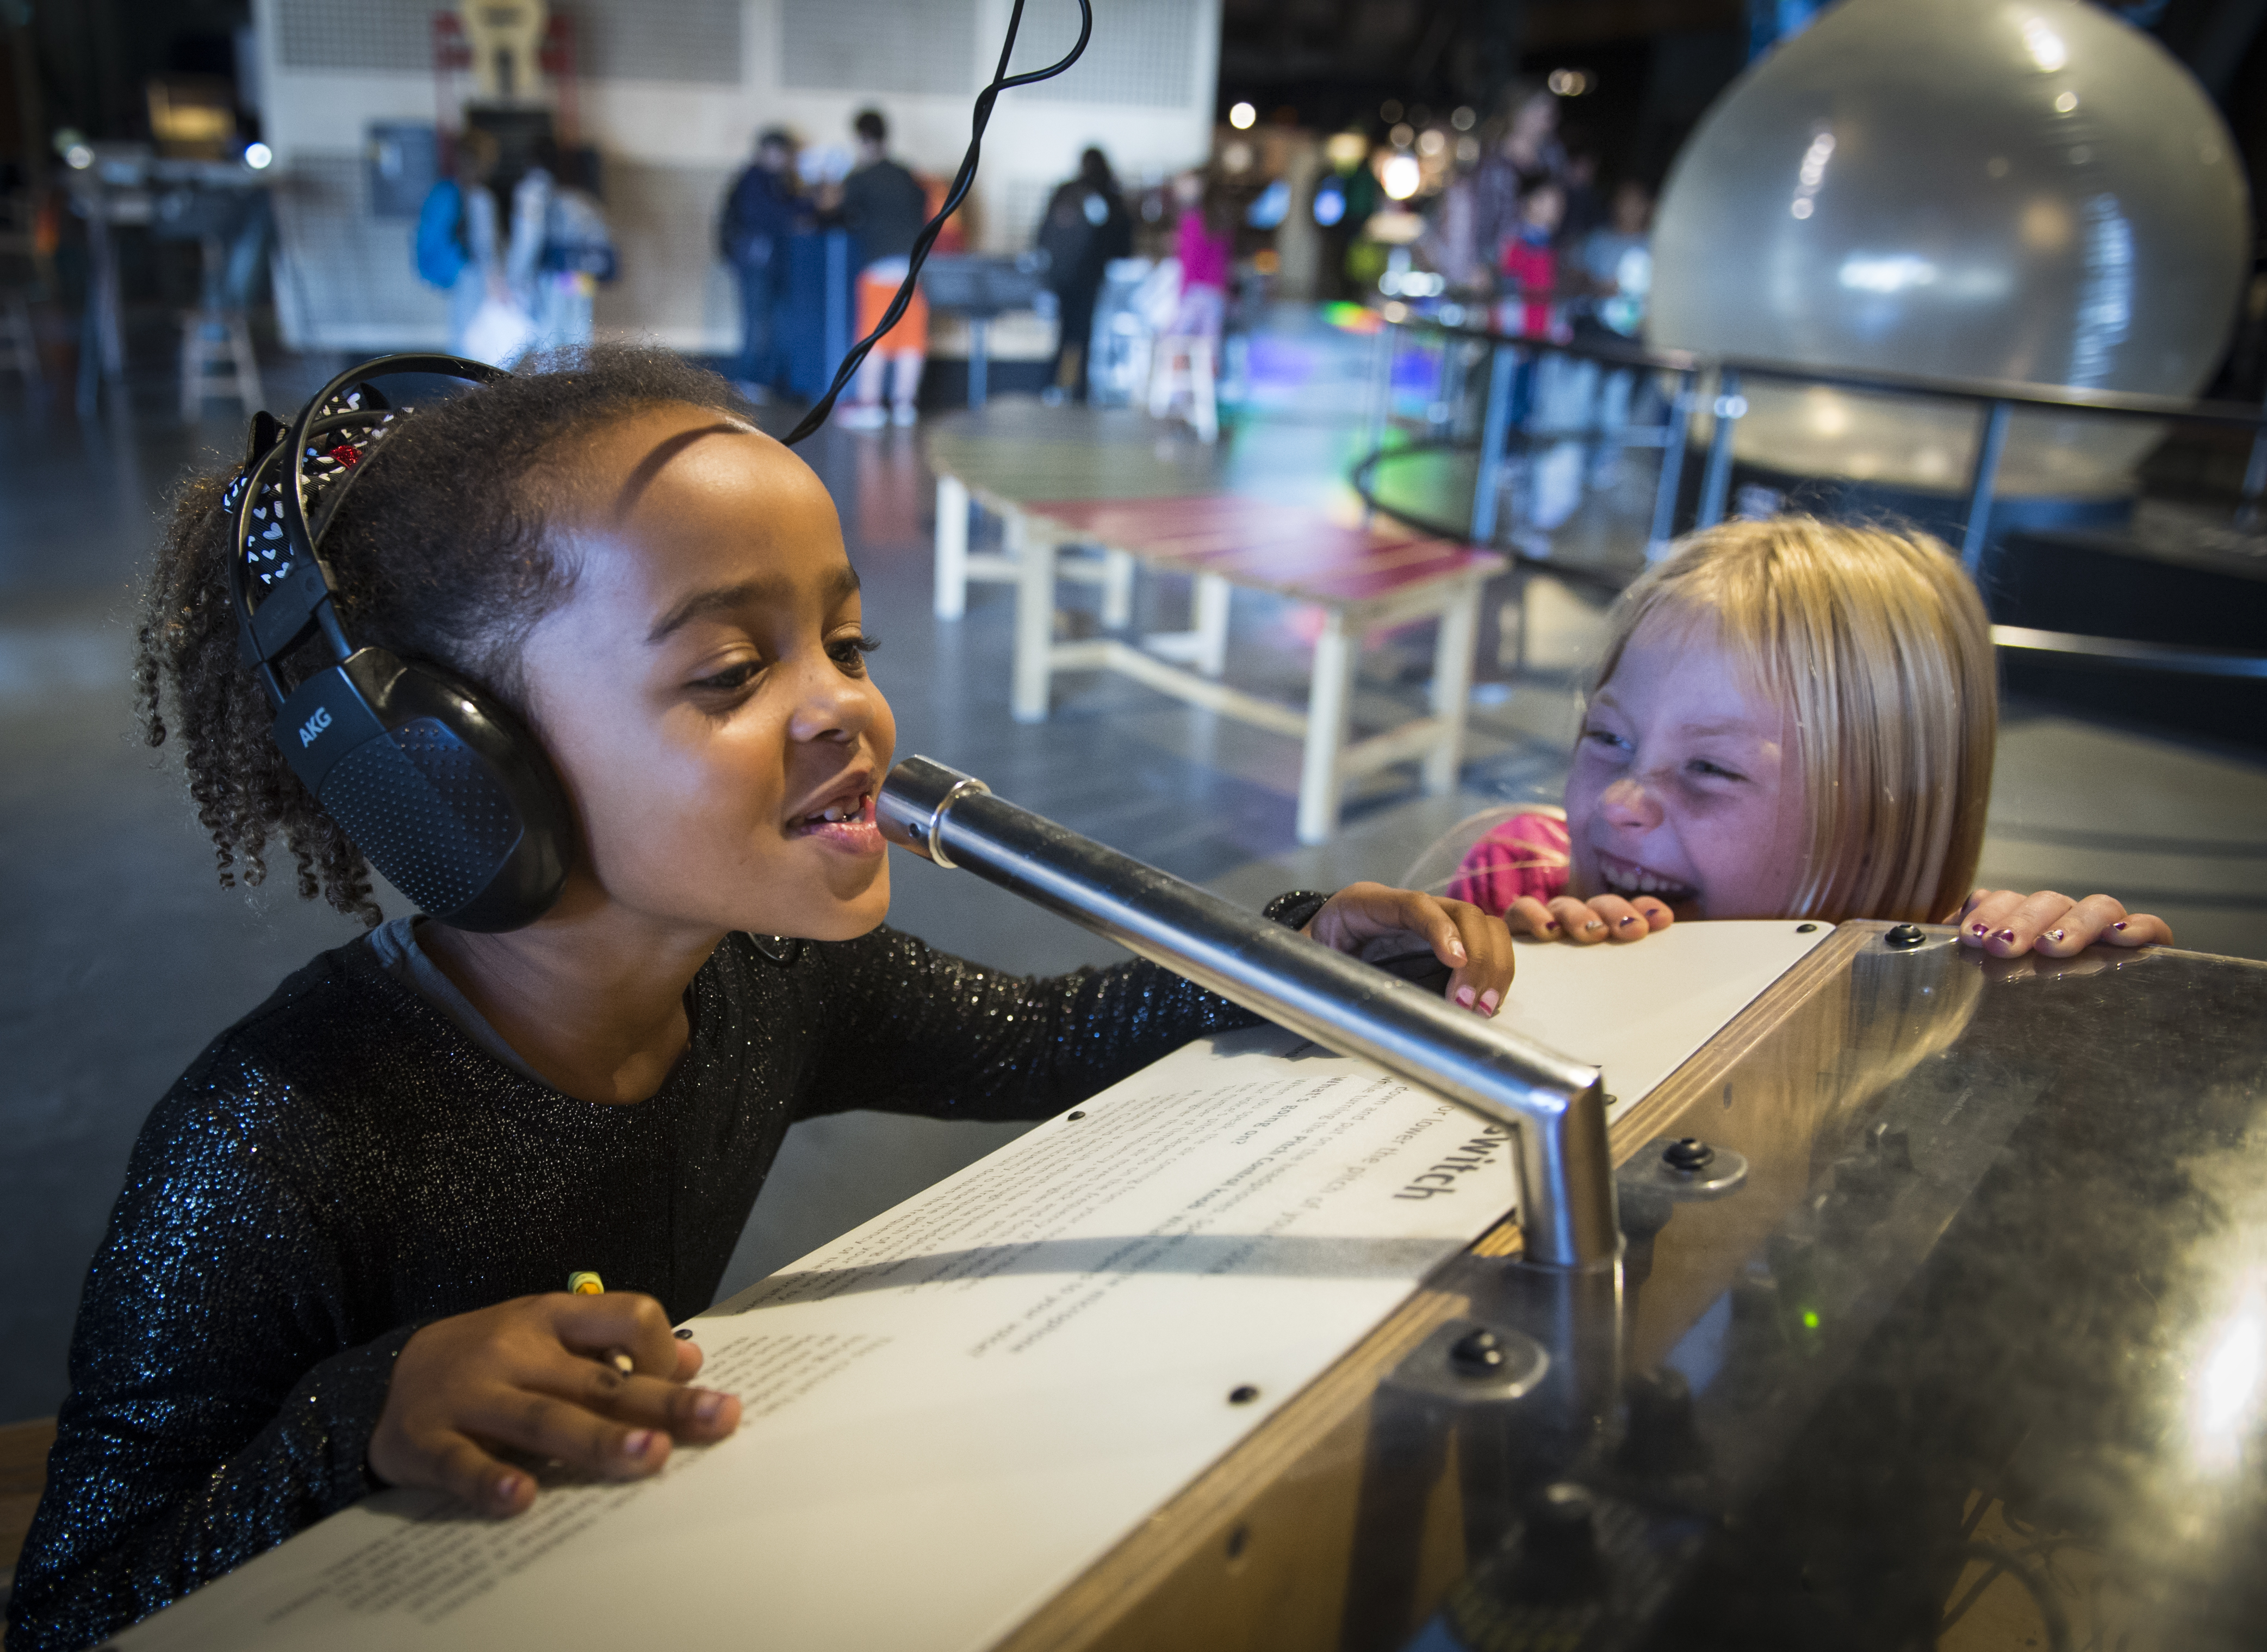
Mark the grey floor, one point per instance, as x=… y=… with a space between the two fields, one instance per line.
x=123 y=957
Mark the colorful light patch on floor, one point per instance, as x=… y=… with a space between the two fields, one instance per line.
x=1352 y=318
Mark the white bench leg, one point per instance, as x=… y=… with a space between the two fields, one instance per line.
x=1212 y=624
x=1035 y=619
x=1452 y=686
x=247 y=386
x=1330 y=711
x=1117 y=591
x=951 y=548
x=1203 y=409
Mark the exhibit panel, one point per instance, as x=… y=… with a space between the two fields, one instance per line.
x=1983 y=1318
x=1926 y=1275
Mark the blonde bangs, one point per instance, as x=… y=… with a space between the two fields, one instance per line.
x=1877 y=646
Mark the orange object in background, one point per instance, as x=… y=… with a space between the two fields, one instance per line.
x=910 y=336
x=953 y=238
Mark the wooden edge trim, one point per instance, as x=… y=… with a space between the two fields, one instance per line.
x=1712 y=1061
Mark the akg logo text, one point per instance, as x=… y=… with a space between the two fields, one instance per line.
x=314 y=726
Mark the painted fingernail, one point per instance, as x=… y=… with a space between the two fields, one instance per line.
x=1465 y=995
x=2006 y=935
x=1979 y=929
x=1490 y=1000
x=2117 y=926
x=507 y=1488
x=1593 y=924
x=637 y=1442
x=708 y=1407
x=1550 y=928
x=1628 y=921
x=2056 y=933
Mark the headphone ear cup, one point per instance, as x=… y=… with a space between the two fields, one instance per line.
x=445 y=791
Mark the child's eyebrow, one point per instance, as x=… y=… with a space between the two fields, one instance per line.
x=746 y=593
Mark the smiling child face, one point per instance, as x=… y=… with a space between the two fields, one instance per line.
x=702 y=691
x=1684 y=785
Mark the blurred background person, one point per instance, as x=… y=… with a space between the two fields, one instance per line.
x=885 y=206
x=762 y=211
x=1613 y=272
x=1528 y=260
x=1551 y=397
x=578 y=249
x=1205 y=243
x=1526 y=152
x=1086 y=225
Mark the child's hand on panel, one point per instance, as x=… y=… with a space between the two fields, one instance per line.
x=536 y=1376
x=2008 y=923
x=1587 y=923
x=1371 y=921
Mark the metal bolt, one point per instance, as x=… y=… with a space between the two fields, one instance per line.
x=1687 y=1154
x=1903 y=935
x=1477 y=1354
x=1077 y=1115
x=1806 y=928
x=1243 y=1394
x=684 y=1334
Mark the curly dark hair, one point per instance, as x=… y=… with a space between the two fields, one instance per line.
x=442 y=552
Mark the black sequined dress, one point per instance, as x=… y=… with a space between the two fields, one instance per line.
x=345 y=1164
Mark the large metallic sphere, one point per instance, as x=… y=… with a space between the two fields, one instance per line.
x=2023 y=189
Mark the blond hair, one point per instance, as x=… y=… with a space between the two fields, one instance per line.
x=1878 y=647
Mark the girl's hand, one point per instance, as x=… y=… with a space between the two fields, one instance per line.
x=521 y=1376
x=2008 y=923
x=1372 y=921
x=1587 y=923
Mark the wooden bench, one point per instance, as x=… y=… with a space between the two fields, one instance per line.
x=1362 y=579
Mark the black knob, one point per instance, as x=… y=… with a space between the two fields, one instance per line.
x=1477 y=1354
x=1663 y=1438
x=1688 y=1155
x=1565 y=1517
x=1905 y=935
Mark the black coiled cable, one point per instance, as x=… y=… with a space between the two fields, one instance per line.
x=1001 y=81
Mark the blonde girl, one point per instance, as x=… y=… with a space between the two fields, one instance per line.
x=1791 y=719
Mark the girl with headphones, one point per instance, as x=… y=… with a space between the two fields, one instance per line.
x=575 y=658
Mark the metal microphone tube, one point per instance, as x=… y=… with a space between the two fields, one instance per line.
x=1557 y=1106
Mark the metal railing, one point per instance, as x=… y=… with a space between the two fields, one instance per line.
x=1556 y=1107
x=1996 y=401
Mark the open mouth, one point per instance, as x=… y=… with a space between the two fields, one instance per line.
x=1628 y=877
x=845 y=820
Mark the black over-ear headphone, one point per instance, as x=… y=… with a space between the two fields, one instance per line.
x=444 y=790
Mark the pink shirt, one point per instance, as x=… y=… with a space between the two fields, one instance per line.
x=1204 y=260
x=1527 y=855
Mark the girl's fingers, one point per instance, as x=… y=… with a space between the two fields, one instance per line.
x=2114 y=926
x=1487 y=943
x=1577 y=922
x=690 y=1359
x=1985 y=916
x=1530 y=916
x=546 y=1427
x=1624 y=922
x=690 y=1413
x=457 y=1466
x=2034 y=919
x=626 y=1320
x=1362 y=913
